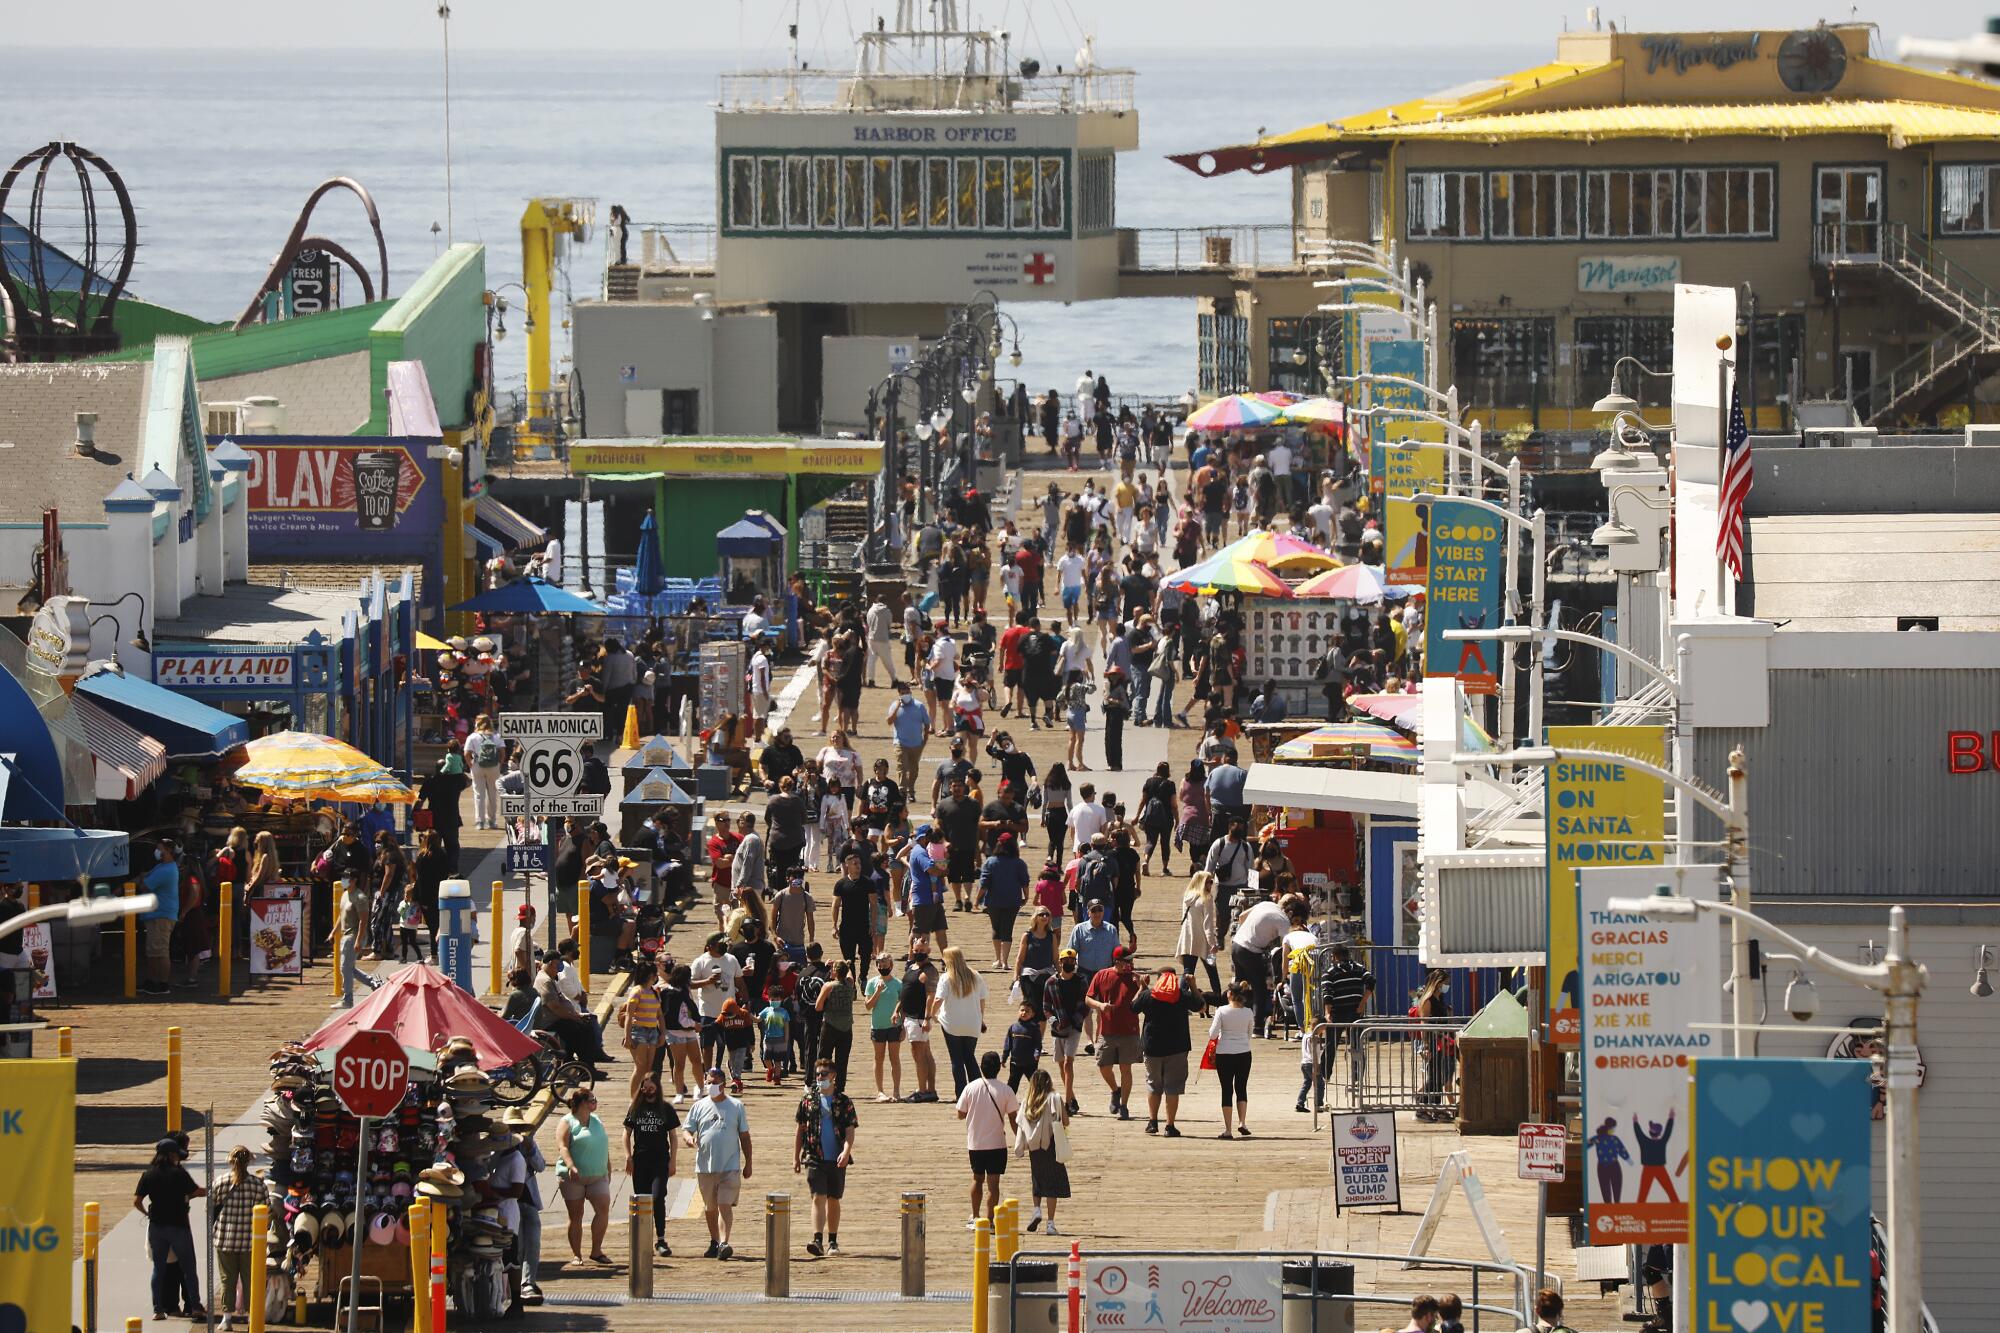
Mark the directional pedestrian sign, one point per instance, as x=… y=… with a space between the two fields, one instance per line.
x=551 y=763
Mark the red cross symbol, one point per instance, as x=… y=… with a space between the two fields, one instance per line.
x=1039 y=267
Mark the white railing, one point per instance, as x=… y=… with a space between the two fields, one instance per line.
x=656 y=247
x=815 y=90
x=1193 y=249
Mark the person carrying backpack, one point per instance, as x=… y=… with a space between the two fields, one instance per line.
x=484 y=755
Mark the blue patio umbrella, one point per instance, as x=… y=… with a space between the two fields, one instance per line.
x=647 y=577
x=529 y=596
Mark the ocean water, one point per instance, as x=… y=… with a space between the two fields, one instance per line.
x=220 y=148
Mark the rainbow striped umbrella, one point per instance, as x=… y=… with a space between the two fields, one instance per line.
x=1314 y=412
x=1282 y=397
x=1281 y=552
x=298 y=765
x=1234 y=411
x=1225 y=572
x=1353 y=740
x=1355 y=583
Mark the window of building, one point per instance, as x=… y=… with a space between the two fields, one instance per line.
x=1628 y=203
x=1446 y=205
x=910 y=193
x=1096 y=179
x=1533 y=205
x=771 y=192
x=798 y=192
x=743 y=192
x=826 y=193
x=965 y=189
x=1778 y=345
x=881 y=193
x=938 y=172
x=996 y=213
x=1375 y=208
x=1968 y=198
x=854 y=193
x=1503 y=361
x=1049 y=191
x=1223 y=354
x=1728 y=202
x=1294 y=351
x=1602 y=339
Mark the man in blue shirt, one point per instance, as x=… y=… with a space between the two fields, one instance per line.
x=163 y=881
x=912 y=723
x=718 y=1129
x=1093 y=939
x=925 y=889
x=1225 y=793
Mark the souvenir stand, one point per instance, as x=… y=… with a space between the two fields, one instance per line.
x=752 y=550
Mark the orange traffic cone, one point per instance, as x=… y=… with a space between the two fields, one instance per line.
x=631 y=738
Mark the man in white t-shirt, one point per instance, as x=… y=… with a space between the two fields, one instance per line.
x=552 y=556
x=988 y=1107
x=521 y=944
x=712 y=978
x=942 y=667
x=1087 y=819
x=760 y=686
x=1069 y=571
x=881 y=635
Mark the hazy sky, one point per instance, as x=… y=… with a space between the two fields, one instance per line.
x=758 y=25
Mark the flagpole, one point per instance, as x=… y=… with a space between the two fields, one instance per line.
x=1721 y=468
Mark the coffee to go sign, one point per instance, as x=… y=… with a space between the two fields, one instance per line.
x=1971 y=751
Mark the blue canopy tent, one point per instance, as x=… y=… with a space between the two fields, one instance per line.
x=31 y=788
x=647 y=575
x=529 y=596
x=753 y=551
x=187 y=727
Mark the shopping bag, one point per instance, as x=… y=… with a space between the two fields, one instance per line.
x=1208 y=1054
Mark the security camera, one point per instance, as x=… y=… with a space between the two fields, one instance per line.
x=1801 y=998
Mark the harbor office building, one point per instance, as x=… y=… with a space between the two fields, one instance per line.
x=1553 y=210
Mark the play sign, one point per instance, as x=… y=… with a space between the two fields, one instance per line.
x=371 y=1074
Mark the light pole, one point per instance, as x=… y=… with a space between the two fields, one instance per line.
x=1900 y=980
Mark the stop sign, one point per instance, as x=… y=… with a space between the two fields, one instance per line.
x=371 y=1074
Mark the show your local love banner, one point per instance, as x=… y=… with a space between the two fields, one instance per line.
x=1652 y=993
x=1600 y=813
x=1781 y=1192
x=38 y=1143
x=1463 y=590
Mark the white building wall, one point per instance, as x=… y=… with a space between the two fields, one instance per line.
x=744 y=365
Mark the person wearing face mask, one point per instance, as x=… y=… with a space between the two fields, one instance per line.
x=718 y=1129
x=163 y=881
x=823 y=1148
x=1063 y=1000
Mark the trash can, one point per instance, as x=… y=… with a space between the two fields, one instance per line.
x=1039 y=1304
x=1493 y=1068
x=1317 y=1296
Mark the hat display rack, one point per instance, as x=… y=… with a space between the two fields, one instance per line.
x=439 y=1144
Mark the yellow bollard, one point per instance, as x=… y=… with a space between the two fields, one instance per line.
x=131 y=947
x=135 y=1325
x=982 y=1262
x=253 y=1282
x=34 y=896
x=65 y=1049
x=436 y=1322
x=173 y=1080
x=339 y=937
x=496 y=939
x=92 y=1228
x=420 y=1264
x=1006 y=1230
x=225 y=940
x=583 y=934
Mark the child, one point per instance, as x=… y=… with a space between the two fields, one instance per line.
x=1048 y=892
x=967 y=704
x=833 y=824
x=1023 y=1047
x=737 y=1030
x=410 y=919
x=776 y=1022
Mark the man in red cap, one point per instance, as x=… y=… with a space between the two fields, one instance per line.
x=1110 y=997
x=1003 y=887
x=521 y=944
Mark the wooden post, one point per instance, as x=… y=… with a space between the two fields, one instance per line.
x=225 y=940
x=131 y=924
x=173 y=1080
x=496 y=942
x=253 y=1282
x=639 y=1283
x=583 y=934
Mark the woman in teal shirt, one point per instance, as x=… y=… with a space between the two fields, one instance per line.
x=583 y=1163
x=883 y=995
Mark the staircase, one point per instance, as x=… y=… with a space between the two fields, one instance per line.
x=1970 y=310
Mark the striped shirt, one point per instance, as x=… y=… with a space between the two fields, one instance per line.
x=642 y=1008
x=1343 y=989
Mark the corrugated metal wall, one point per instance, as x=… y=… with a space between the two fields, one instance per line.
x=1849 y=793
x=1492 y=909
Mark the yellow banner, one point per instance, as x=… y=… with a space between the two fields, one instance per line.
x=721 y=457
x=38 y=1143
x=1407 y=470
x=1600 y=813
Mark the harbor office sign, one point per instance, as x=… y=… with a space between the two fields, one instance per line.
x=1652 y=993
x=1601 y=813
x=1627 y=273
x=1780 y=1158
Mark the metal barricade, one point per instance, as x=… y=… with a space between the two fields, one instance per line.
x=1496 y=1295
x=1390 y=1064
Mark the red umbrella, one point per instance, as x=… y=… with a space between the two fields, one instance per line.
x=421 y=1007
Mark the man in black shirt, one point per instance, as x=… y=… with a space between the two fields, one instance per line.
x=958 y=817
x=1016 y=766
x=1344 y=990
x=162 y=1196
x=1003 y=814
x=1063 y=1001
x=955 y=769
x=1163 y=1008
x=881 y=798
x=781 y=758
x=571 y=854
x=758 y=956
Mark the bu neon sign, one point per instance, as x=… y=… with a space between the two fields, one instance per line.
x=1972 y=751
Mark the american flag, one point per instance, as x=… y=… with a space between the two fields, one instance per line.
x=1736 y=479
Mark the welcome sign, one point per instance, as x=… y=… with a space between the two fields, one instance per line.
x=1780 y=1222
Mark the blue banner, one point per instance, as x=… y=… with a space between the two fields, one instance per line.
x=1466 y=582
x=1402 y=357
x=1780 y=1221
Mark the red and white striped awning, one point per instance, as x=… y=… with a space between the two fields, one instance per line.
x=127 y=760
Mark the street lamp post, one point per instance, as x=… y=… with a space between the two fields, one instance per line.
x=1900 y=980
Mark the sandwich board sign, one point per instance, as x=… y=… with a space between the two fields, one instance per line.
x=552 y=764
x=1364 y=1161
